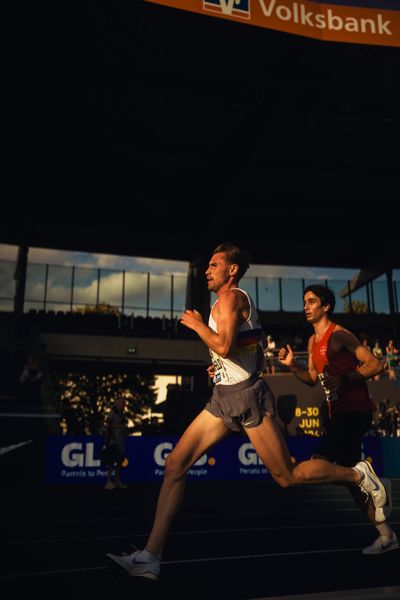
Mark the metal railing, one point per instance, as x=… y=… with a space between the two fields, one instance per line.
x=68 y=288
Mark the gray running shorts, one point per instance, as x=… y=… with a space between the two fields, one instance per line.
x=242 y=404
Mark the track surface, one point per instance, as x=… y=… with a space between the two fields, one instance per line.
x=250 y=539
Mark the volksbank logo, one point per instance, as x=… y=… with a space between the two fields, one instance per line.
x=231 y=8
x=310 y=15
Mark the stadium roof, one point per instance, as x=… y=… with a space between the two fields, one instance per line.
x=270 y=140
x=285 y=237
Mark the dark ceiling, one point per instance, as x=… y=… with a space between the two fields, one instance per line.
x=286 y=145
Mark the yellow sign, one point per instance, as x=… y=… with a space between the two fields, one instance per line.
x=307 y=420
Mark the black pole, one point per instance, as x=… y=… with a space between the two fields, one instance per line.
x=20 y=278
x=389 y=277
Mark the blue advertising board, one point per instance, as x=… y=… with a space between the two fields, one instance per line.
x=76 y=459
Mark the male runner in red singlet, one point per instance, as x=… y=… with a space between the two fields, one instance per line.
x=342 y=364
x=241 y=400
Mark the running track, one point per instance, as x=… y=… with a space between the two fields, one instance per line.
x=230 y=540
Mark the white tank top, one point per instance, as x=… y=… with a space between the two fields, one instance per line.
x=244 y=359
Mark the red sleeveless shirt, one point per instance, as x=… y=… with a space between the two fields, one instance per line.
x=352 y=396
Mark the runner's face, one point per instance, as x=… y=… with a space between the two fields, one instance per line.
x=313 y=308
x=218 y=272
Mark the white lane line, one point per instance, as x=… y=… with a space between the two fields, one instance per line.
x=55 y=572
x=339 y=493
x=185 y=561
x=333 y=496
x=224 y=516
x=252 y=556
x=194 y=532
x=223 y=503
x=6 y=449
x=230 y=502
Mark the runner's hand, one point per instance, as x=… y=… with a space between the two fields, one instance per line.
x=286 y=356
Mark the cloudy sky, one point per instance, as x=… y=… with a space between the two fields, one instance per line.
x=151 y=265
x=135 y=282
x=57 y=288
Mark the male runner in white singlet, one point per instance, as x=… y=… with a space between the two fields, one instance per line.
x=241 y=400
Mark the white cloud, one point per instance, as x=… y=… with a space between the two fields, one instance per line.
x=294 y=272
x=7 y=284
x=170 y=267
x=8 y=252
x=111 y=285
x=103 y=261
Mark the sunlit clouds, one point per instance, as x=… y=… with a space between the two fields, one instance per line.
x=104 y=261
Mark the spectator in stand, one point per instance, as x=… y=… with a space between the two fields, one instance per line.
x=378 y=352
x=387 y=420
x=366 y=345
x=114 y=446
x=392 y=357
x=269 y=355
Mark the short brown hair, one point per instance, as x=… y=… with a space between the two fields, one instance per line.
x=235 y=256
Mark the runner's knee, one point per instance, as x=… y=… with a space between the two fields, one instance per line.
x=303 y=475
x=175 y=468
x=285 y=480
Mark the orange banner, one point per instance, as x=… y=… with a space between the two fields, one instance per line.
x=331 y=22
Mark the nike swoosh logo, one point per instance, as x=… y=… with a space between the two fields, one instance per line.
x=375 y=484
x=140 y=562
x=13 y=447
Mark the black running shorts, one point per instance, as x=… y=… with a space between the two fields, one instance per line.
x=343 y=439
x=242 y=404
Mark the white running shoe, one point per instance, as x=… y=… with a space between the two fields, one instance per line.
x=381 y=514
x=372 y=486
x=137 y=566
x=110 y=485
x=381 y=545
